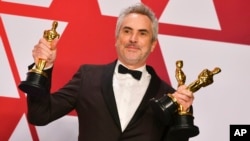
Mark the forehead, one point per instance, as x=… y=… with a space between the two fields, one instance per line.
x=137 y=21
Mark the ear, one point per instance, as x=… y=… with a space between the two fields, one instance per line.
x=154 y=43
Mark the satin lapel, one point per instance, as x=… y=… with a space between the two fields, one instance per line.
x=150 y=93
x=108 y=93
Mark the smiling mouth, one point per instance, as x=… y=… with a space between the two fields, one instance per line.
x=132 y=47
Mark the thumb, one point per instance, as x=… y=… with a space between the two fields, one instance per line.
x=54 y=43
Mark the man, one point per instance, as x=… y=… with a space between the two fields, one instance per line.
x=111 y=105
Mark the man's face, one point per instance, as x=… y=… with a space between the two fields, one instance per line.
x=134 y=42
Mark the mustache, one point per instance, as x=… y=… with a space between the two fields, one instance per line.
x=132 y=45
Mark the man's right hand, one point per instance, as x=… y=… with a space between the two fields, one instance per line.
x=45 y=50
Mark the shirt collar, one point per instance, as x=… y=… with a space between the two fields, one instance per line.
x=142 y=69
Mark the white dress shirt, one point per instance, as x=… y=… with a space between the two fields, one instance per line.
x=129 y=93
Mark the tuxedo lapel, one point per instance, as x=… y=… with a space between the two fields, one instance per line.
x=108 y=93
x=150 y=93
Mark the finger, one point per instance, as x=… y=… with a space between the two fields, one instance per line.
x=54 y=43
x=184 y=103
x=185 y=91
x=45 y=42
x=41 y=51
x=183 y=98
x=51 y=45
x=184 y=94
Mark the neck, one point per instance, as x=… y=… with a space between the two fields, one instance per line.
x=132 y=66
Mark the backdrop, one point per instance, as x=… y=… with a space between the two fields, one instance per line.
x=202 y=33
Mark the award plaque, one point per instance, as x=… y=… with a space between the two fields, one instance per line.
x=36 y=77
x=183 y=127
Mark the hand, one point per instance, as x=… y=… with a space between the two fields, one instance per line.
x=184 y=97
x=45 y=50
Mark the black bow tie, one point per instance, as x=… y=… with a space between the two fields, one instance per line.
x=136 y=74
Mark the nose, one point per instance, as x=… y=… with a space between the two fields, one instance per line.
x=134 y=38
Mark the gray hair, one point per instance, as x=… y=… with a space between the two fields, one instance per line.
x=140 y=9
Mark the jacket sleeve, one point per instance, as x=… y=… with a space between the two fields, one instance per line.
x=38 y=104
x=47 y=107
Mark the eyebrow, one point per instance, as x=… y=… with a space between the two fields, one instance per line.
x=141 y=30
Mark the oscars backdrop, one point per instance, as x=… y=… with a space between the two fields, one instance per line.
x=202 y=33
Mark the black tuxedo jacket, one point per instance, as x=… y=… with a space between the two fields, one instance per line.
x=90 y=93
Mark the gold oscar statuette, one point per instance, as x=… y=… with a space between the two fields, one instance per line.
x=205 y=78
x=164 y=106
x=36 y=77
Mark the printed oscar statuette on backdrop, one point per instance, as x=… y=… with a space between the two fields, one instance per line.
x=36 y=77
x=183 y=127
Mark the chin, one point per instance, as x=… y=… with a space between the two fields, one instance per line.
x=132 y=62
